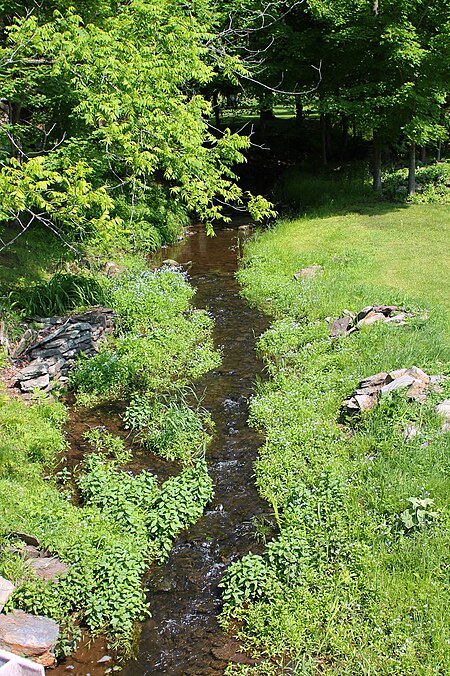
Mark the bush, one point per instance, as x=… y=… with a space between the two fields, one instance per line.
x=433 y=184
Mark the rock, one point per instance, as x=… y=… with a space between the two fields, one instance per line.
x=417 y=391
x=48 y=568
x=112 y=269
x=370 y=318
x=104 y=659
x=27 y=538
x=444 y=409
x=308 y=273
x=6 y=589
x=24 y=343
x=13 y=665
x=170 y=262
x=398 y=384
x=30 y=636
x=396 y=319
x=41 y=383
x=373 y=381
x=411 y=432
x=412 y=371
x=340 y=327
x=35 y=369
x=364 y=312
x=386 y=310
x=365 y=401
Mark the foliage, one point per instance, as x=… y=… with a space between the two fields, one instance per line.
x=350 y=566
x=165 y=343
x=173 y=430
x=433 y=183
x=61 y=293
x=125 y=523
x=105 y=133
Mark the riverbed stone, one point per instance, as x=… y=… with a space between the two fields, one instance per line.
x=6 y=590
x=31 y=636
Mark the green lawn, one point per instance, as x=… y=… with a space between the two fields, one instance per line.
x=405 y=249
x=345 y=588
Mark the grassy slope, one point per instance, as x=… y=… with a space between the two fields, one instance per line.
x=345 y=589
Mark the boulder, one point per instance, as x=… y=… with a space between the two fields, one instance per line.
x=373 y=381
x=41 y=383
x=6 y=590
x=48 y=567
x=35 y=369
x=30 y=636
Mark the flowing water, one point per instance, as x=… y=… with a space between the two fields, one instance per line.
x=183 y=636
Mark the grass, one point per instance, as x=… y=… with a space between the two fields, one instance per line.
x=346 y=588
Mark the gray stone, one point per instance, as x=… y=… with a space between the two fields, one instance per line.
x=30 y=636
x=35 y=369
x=396 y=319
x=24 y=343
x=444 y=408
x=411 y=432
x=340 y=327
x=40 y=383
x=398 y=384
x=365 y=401
x=6 y=589
x=373 y=381
x=362 y=313
x=412 y=371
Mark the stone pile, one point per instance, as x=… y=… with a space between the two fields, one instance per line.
x=413 y=380
x=45 y=357
x=350 y=322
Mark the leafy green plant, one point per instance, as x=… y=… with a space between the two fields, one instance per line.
x=61 y=293
x=419 y=514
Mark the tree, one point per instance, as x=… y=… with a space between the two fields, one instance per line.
x=111 y=96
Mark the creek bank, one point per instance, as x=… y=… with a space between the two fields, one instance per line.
x=363 y=507
x=44 y=356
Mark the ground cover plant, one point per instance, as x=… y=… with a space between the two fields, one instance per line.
x=105 y=522
x=356 y=581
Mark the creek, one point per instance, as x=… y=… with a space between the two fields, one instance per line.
x=183 y=637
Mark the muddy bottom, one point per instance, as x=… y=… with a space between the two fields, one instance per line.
x=183 y=636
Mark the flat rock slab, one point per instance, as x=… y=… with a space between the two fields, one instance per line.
x=29 y=636
x=6 y=590
x=13 y=665
x=47 y=568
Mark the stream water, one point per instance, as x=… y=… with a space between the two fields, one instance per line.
x=183 y=636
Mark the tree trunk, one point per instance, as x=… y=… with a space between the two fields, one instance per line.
x=376 y=167
x=439 y=152
x=323 y=135
x=412 y=169
x=423 y=154
x=344 y=132
x=216 y=109
x=298 y=111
